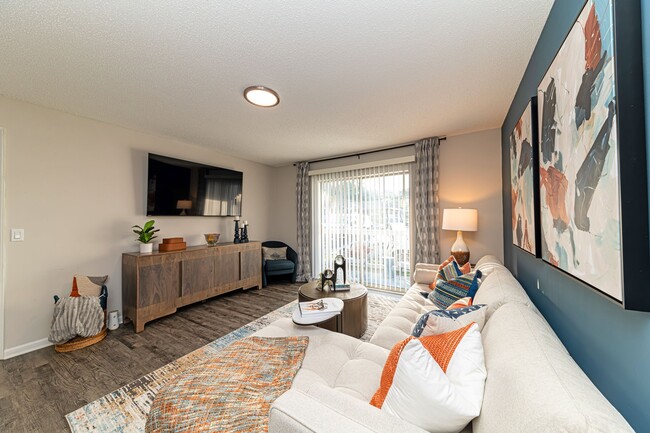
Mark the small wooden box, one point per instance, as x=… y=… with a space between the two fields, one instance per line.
x=172 y=241
x=177 y=246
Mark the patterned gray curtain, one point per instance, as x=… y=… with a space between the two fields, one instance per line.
x=304 y=222
x=427 y=225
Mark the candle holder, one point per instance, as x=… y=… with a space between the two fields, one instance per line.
x=237 y=239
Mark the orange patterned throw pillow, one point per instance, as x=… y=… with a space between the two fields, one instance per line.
x=435 y=382
x=465 y=269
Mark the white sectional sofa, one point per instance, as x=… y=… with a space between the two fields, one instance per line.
x=533 y=384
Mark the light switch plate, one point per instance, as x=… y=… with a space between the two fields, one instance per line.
x=17 y=235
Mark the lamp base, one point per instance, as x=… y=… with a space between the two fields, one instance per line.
x=461 y=257
x=459 y=249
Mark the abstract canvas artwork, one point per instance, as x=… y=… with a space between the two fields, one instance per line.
x=578 y=154
x=522 y=186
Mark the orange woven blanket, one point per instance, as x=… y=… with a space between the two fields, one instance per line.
x=232 y=392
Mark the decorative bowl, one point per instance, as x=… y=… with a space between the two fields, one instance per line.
x=212 y=238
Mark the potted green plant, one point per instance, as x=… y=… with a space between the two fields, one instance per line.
x=146 y=234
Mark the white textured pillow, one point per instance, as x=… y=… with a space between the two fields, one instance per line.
x=436 y=382
x=274 y=253
x=424 y=276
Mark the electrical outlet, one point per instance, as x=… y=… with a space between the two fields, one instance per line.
x=17 y=235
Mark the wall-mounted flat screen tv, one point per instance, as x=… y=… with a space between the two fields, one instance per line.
x=177 y=187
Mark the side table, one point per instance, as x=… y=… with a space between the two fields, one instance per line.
x=337 y=308
x=355 y=311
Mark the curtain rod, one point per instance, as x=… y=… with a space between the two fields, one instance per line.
x=358 y=155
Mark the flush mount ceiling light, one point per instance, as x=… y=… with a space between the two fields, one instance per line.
x=261 y=96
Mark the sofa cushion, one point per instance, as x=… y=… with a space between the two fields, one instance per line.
x=533 y=384
x=279 y=266
x=398 y=324
x=499 y=288
x=435 y=382
x=334 y=360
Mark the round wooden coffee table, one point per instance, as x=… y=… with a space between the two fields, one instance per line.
x=355 y=306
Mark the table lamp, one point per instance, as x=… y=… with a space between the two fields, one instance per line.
x=460 y=220
x=184 y=205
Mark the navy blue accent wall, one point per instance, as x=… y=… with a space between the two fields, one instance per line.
x=610 y=344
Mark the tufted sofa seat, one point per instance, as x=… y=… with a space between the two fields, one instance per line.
x=533 y=384
x=337 y=361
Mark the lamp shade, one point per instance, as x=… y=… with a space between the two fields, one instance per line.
x=460 y=219
x=184 y=204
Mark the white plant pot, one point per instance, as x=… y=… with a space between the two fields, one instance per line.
x=146 y=248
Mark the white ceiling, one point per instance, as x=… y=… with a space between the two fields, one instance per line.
x=352 y=75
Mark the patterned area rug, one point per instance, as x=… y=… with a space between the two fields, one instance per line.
x=125 y=410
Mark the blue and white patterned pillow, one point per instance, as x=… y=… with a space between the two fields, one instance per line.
x=448 y=292
x=440 y=321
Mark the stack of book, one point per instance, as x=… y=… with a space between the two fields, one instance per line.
x=315 y=309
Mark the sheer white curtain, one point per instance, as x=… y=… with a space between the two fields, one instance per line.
x=218 y=197
x=363 y=214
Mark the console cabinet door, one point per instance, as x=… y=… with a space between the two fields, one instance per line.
x=251 y=263
x=159 y=284
x=197 y=275
x=226 y=267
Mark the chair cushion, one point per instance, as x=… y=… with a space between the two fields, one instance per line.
x=284 y=266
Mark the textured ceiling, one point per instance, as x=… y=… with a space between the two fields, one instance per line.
x=352 y=75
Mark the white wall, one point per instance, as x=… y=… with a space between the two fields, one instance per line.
x=282 y=214
x=470 y=176
x=77 y=186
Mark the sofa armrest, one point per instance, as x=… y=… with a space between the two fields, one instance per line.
x=322 y=409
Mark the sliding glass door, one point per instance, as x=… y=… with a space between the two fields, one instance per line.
x=364 y=215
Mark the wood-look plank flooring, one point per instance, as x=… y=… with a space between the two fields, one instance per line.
x=37 y=389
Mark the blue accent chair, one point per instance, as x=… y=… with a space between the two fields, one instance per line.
x=279 y=267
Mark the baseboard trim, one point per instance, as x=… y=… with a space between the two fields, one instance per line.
x=26 y=348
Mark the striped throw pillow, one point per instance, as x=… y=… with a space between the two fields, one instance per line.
x=448 y=292
x=436 y=382
x=444 y=273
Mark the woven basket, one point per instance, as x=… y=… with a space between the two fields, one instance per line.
x=80 y=342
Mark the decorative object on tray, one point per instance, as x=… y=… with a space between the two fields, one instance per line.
x=339 y=263
x=146 y=234
x=524 y=181
x=593 y=202
x=212 y=238
x=328 y=278
x=79 y=320
x=172 y=244
x=460 y=220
